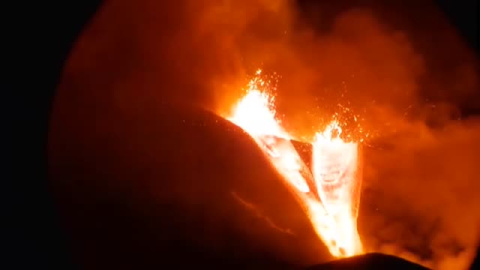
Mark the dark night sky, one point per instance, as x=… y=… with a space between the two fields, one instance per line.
x=463 y=14
x=41 y=37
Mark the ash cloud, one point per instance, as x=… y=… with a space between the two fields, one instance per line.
x=404 y=74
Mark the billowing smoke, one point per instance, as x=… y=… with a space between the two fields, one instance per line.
x=404 y=82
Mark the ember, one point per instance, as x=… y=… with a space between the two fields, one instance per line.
x=330 y=195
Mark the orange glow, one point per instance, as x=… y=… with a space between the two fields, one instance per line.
x=333 y=212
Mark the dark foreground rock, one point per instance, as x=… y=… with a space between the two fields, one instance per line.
x=367 y=262
x=145 y=187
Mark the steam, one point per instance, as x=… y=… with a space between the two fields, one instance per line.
x=421 y=194
x=421 y=201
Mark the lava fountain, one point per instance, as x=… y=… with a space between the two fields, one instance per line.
x=330 y=195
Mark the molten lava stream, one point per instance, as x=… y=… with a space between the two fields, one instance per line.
x=335 y=165
x=333 y=212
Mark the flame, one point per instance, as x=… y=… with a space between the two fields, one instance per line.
x=333 y=210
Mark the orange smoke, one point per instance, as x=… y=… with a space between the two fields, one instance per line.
x=333 y=210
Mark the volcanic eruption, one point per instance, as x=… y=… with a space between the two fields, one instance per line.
x=331 y=199
x=153 y=137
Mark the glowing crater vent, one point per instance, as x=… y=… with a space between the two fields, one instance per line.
x=332 y=206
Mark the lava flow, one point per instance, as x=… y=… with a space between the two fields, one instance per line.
x=332 y=204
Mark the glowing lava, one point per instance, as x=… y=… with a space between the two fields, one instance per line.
x=333 y=212
x=335 y=170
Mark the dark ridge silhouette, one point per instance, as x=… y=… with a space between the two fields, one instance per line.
x=150 y=186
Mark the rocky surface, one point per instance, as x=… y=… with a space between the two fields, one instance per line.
x=171 y=184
